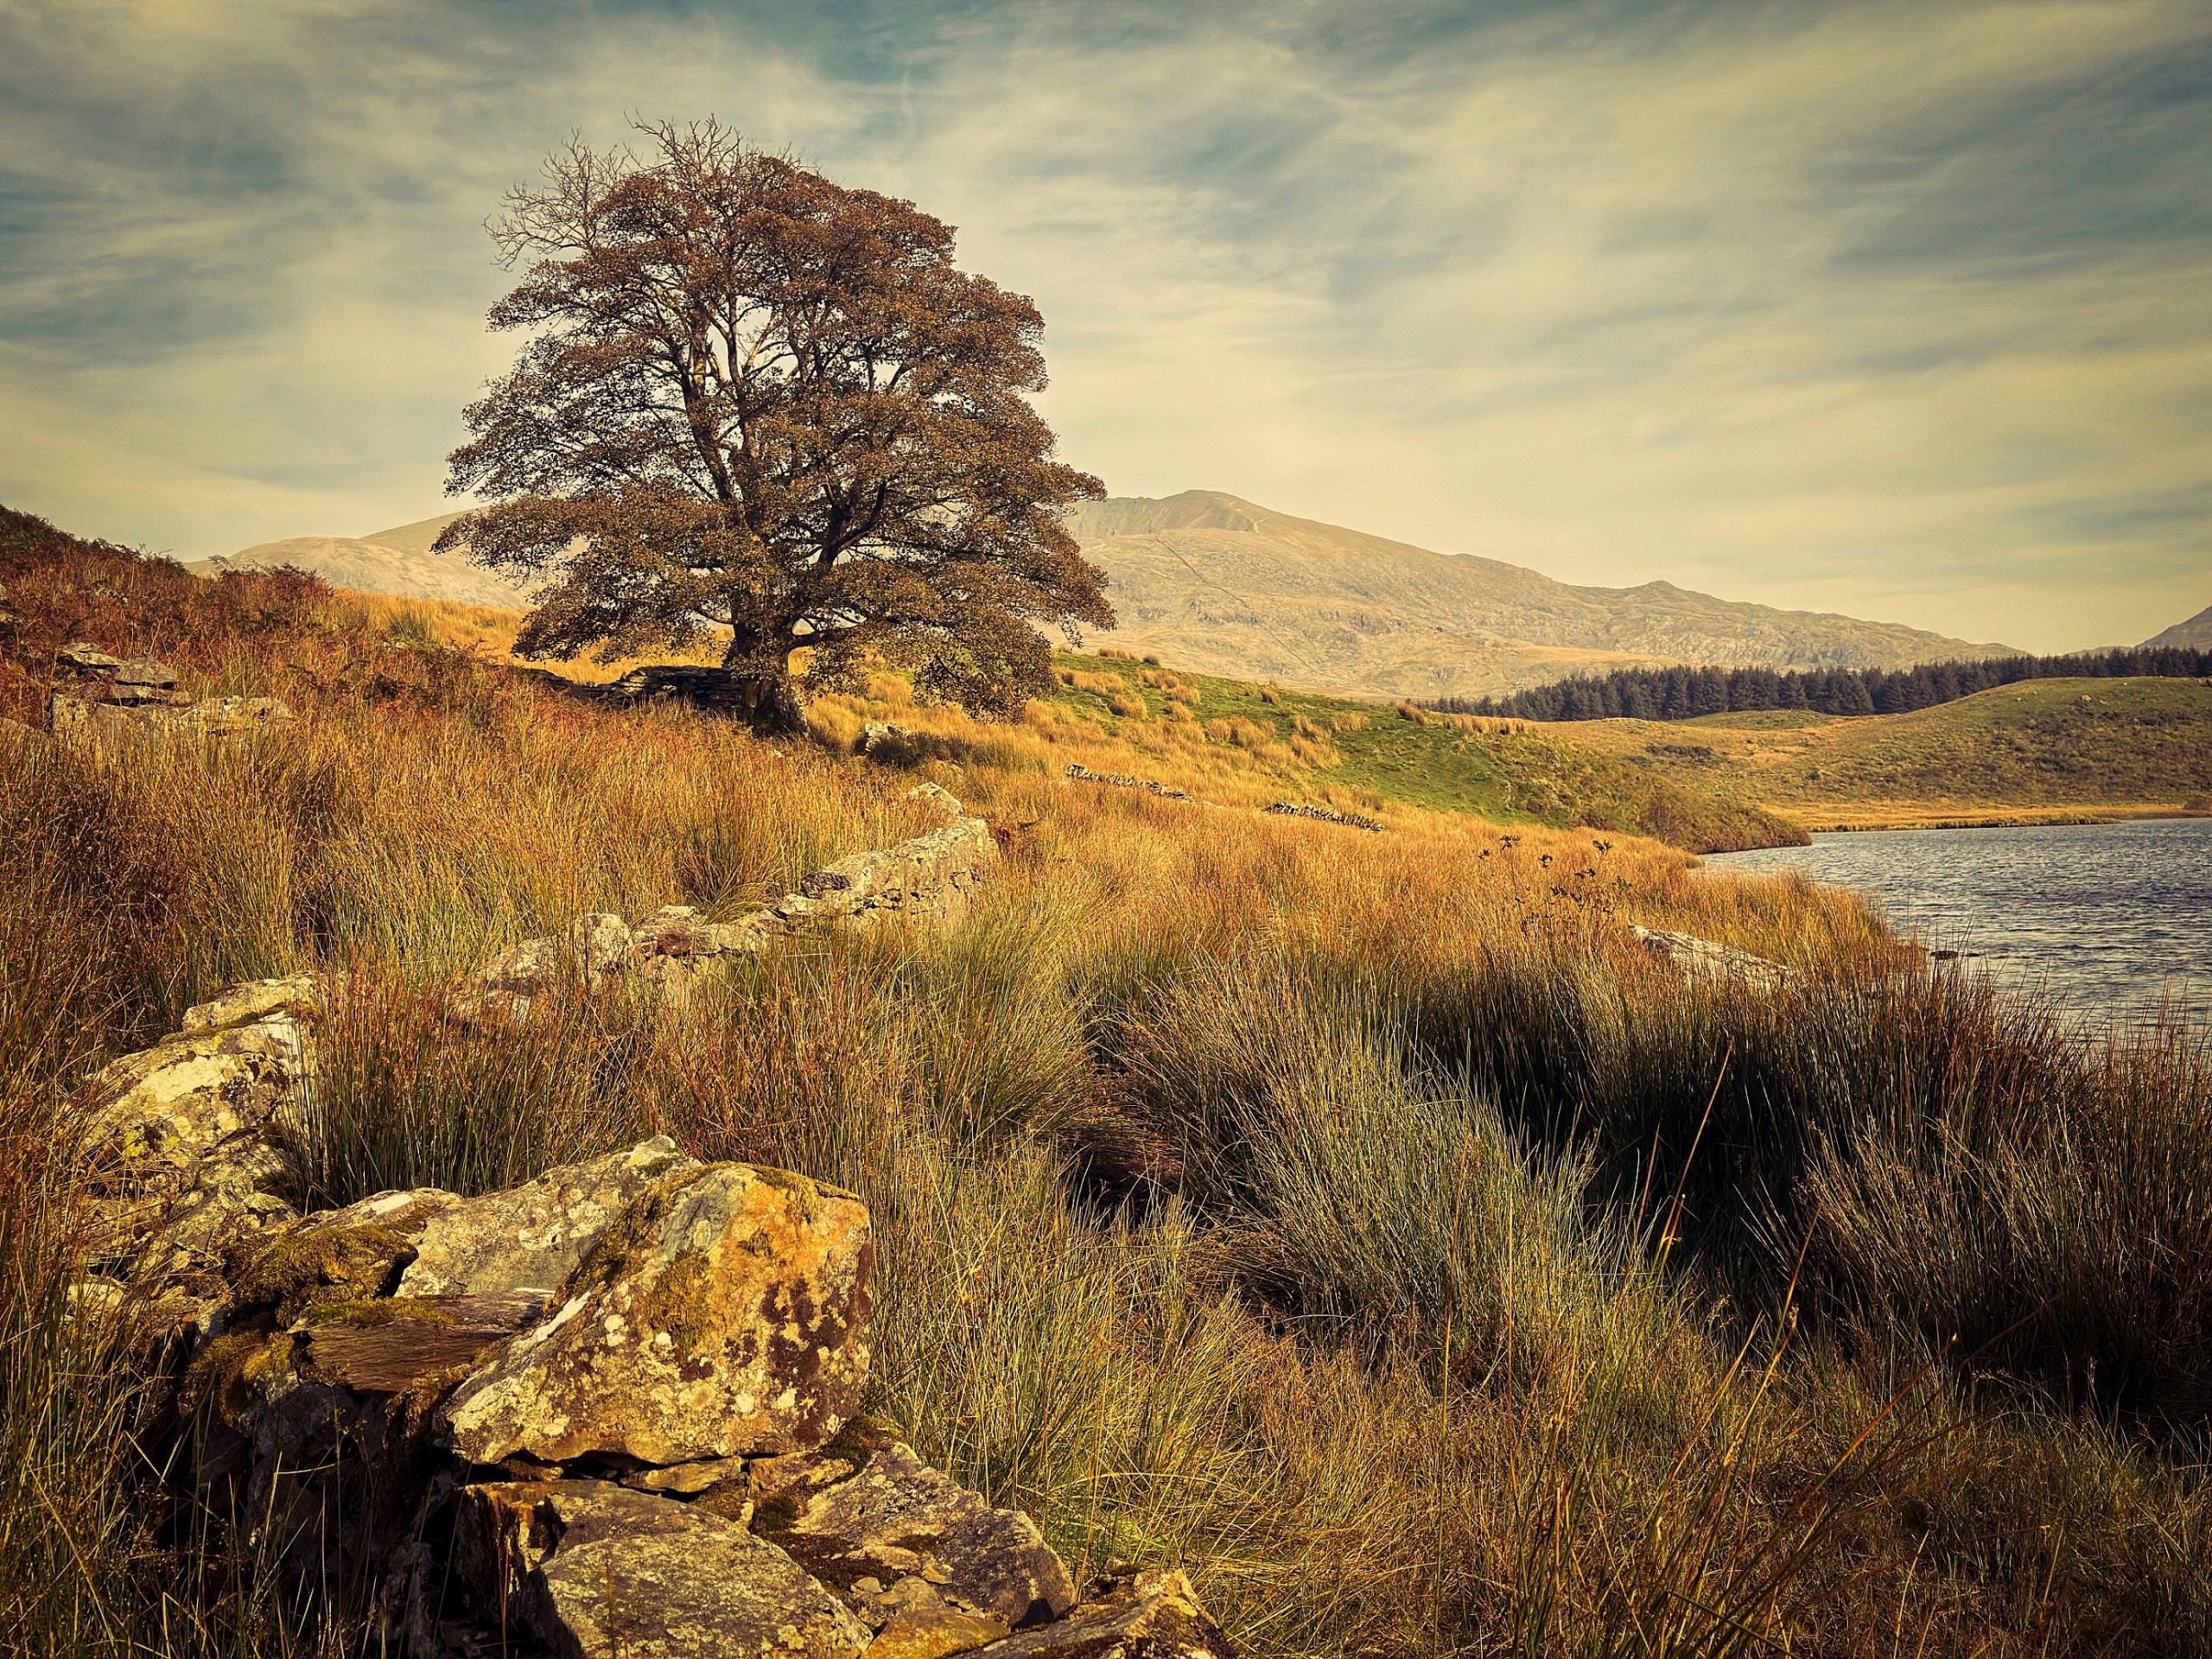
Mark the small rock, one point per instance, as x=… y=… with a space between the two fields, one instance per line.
x=1144 y=1616
x=721 y=1316
x=896 y=1516
x=1706 y=959
x=688 y=1479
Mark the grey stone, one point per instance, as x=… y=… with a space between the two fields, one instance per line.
x=531 y=1237
x=1708 y=960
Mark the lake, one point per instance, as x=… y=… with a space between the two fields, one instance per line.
x=2110 y=916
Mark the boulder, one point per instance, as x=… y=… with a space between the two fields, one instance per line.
x=295 y=994
x=532 y=1236
x=722 y=1315
x=884 y=1516
x=594 y=1571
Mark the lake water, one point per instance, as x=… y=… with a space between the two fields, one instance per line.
x=2111 y=915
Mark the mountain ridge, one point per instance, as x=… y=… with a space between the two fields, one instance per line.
x=1219 y=584
x=1321 y=605
x=2193 y=633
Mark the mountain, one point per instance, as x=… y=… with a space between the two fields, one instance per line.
x=2196 y=634
x=395 y=561
x=1220 y=585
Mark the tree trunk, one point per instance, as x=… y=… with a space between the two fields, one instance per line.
x=769 y=701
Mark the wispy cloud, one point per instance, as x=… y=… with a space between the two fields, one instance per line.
x=1902 y=309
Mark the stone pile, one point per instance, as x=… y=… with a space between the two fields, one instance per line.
x=1082 y=774
x=1712 y=962
x=1327 y=815
x=931 y=879
x=614 y=1411
x=98 y=698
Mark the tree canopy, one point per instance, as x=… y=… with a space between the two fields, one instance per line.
x=757 y=401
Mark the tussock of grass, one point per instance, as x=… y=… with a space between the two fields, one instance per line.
x=1357 y=1220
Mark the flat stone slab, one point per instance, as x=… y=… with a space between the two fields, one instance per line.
x=894 y=1517
x=1145 y=1616
x=532 y=1236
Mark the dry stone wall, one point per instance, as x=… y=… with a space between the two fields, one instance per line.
x=98 y=699
x=931 y=879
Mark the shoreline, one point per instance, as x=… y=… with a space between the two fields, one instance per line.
x=1848 y=821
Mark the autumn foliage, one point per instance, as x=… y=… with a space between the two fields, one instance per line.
x=756 y=405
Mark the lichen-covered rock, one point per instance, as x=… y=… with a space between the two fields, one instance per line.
x=182 y=1146
x=934 y=1633
x=722 y=1315
x=1139 y=1616
x=1709 y=959
x=594 y=1571
x=257 y=1000
x=532 y=1236
x=890 y=1517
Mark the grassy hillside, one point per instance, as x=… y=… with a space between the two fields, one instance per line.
x=1236 y=744
x=1361 y=1222
x=2044 y=749
x=1232 y=742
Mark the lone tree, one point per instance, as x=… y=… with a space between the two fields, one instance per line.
x=755 y=400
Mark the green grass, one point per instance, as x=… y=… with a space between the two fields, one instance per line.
x=1387 y=754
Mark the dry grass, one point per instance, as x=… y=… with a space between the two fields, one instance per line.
x=1355 y=1219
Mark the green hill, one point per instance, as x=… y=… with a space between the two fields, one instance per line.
x=2044 y=748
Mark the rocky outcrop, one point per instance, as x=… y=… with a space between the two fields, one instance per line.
x=98 y=699
x=614 y=1411
x=1709 y=961
x=1082 y=774
x=1327 y=815
x=931 y=879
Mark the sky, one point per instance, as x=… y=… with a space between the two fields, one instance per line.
x=1900 y=310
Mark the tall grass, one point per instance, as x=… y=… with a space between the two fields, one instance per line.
x=1357 y=1220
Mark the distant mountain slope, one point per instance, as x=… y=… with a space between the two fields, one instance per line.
x=395 y=561
x=2196 y=634
x=1220 y=585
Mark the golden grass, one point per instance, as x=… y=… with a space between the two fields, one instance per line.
x=1359 y=1221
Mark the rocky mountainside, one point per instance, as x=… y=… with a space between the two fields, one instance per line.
x=1214 y=584
x=396 y=561
x=2195 y=634
x=1219 y=585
